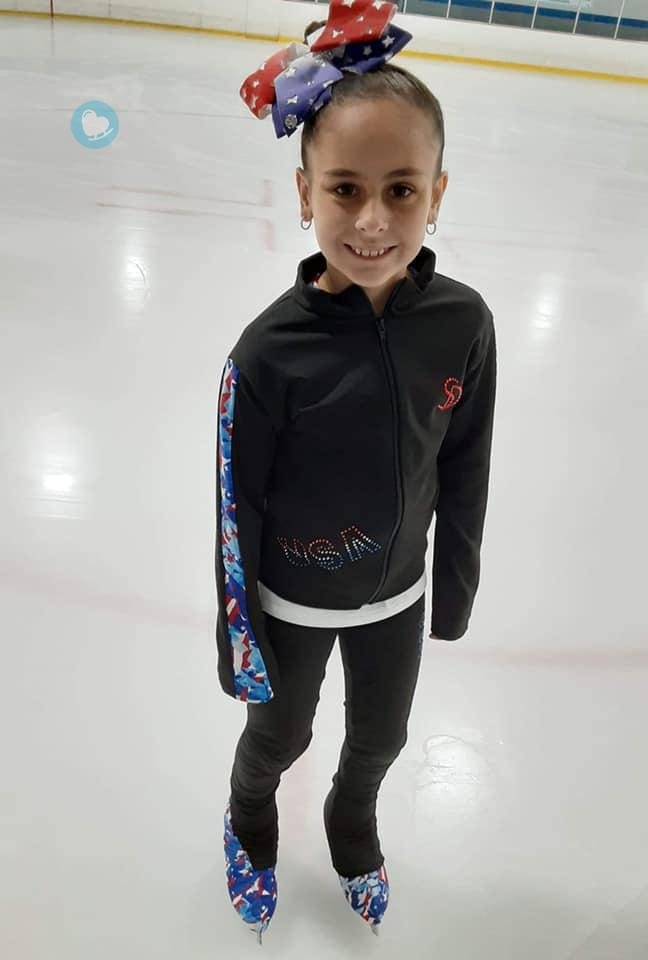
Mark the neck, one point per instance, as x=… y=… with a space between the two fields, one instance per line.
x=377 y=296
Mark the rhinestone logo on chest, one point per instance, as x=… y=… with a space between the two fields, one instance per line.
x=324 y=553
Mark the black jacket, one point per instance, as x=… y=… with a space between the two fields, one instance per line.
x=340 y=433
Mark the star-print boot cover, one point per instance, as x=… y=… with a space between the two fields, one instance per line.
x=253 y=892
x=368 y=895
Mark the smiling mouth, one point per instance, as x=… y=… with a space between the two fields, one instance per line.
x=369 y=255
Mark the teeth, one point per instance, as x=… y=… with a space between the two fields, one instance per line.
x=369 y=253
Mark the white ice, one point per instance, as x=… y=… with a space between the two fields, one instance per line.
x=514 y=822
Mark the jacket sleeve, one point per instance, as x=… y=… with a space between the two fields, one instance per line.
x=246 y=444
x=464 y=466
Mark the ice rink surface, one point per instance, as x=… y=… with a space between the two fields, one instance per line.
x=514 y=822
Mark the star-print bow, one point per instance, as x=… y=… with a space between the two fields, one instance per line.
x=296 y=81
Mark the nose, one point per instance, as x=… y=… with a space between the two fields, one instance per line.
x=372 y=219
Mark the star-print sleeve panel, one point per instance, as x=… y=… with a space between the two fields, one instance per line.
x=246 y=446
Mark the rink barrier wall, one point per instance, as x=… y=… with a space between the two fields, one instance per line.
x=437 y=39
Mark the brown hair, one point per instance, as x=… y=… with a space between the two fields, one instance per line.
x=388 y=80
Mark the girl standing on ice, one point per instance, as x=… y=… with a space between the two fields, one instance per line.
x=352 y=409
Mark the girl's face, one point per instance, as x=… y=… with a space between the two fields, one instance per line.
x=371 y=185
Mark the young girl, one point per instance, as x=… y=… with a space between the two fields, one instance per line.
x=355 y=406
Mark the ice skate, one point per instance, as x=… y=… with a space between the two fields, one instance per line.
x=368 y=896
x=253 y=892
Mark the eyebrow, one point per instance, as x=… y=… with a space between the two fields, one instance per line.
x=401 y=172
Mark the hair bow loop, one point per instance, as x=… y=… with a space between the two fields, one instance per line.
x=296 y=82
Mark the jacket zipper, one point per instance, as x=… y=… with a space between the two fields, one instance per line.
x=392 y=384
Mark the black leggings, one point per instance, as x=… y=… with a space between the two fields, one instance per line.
x=381 y=665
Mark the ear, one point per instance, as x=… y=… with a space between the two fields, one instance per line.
x=304 y=192
x=437 y=194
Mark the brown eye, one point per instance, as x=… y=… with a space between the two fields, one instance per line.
x=403 y=186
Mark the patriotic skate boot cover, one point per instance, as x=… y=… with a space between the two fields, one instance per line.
x=368 y=895
x=253 y=892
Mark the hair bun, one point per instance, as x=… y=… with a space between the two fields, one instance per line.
x=312 y=27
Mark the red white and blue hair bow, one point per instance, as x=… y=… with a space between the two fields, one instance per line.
x=295 y=82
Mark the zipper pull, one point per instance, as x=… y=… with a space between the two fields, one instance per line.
x=381 y=326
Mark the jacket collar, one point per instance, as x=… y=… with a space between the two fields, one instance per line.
x=353 y=302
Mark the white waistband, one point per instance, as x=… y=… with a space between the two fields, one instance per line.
x=282 y=609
